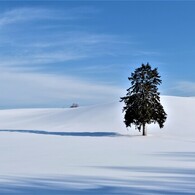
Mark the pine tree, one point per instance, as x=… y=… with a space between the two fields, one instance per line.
x=142 y=101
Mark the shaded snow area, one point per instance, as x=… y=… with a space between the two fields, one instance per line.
x=88 y=150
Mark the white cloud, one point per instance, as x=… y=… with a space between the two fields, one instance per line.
x=57 y=48
x=22 y=15
x=26 y=14
x=36 y=50
x=26 y=47
x=36 y=89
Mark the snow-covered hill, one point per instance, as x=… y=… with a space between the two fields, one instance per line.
x=106 y=118
x=88 y=150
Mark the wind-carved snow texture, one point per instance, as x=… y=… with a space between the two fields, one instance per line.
x=88 y=150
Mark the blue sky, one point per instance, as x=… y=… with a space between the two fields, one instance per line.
x=54 y=53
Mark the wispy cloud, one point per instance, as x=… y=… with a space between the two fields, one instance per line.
x=27 y=14
x=61 y=47
x=39 y=59
x=27 y=48
x=23 y=15
x=35 y=46
x=36 y=89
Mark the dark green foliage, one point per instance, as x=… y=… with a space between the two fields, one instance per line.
x=142 y=101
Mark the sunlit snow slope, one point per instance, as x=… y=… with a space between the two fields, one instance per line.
x=88 y=150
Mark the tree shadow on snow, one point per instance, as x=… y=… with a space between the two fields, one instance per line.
x=80 y=134
x=138 y=180
x=149 y=180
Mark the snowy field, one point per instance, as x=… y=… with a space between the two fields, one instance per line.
x=88 y=150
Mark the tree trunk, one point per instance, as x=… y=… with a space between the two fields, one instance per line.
x=144 y=130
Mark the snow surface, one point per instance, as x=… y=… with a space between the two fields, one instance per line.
x=88 y=150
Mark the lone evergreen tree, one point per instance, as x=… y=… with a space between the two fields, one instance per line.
x=142 y=101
